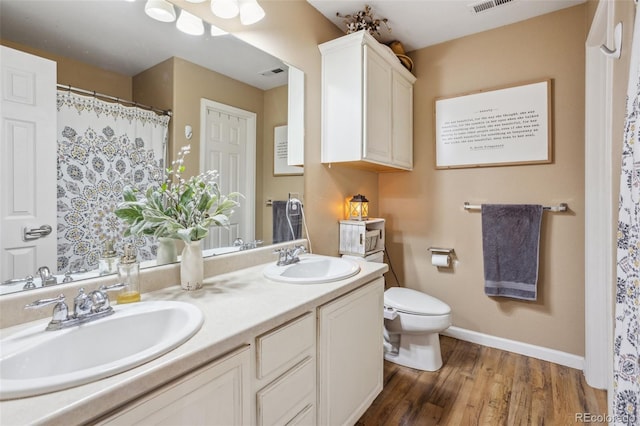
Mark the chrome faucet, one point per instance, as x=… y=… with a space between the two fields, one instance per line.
x=86 y=307
x=46 y=277
x=288 y=256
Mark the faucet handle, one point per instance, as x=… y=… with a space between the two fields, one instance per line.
x=45 y=302
x=60 y=310
x=117 y=286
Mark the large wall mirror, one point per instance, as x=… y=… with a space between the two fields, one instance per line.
x=111 y=47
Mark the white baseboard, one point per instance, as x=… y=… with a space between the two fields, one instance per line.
x=539 y=352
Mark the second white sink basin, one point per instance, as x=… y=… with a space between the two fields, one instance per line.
x=34 y=361
x=313 y=269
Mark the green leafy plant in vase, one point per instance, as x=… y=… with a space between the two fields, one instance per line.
x=180 y=208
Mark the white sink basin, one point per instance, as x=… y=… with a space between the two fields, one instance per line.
x=34 y=361
x=313 y=269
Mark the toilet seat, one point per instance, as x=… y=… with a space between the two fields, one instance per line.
x=414 y=302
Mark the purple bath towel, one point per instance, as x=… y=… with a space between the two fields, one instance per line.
x=510 y=248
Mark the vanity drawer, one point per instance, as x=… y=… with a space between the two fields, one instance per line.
x=280 y=349
x=287 y=399
x=305 y=417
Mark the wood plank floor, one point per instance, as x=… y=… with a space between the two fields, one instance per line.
x=478 y=385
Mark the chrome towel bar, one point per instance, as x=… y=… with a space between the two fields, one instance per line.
x=562 y=207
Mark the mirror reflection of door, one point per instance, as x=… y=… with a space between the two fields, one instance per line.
x=228 y=145
x=27 y=172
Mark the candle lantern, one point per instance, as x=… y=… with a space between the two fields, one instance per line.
x=358 y=207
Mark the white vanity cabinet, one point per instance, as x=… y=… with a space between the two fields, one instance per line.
x=350 y=357
x=285 y=373
x=216 y=394
x=367 y=105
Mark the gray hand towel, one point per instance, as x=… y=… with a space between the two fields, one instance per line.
x=281 y=228
x=510 y=248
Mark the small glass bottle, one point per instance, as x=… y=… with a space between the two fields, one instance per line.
x=108 y=261
x=129 y=275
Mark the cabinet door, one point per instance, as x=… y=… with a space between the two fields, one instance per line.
x=377 y=107
x=402 y=106
x=216 y=394
x=350 y=354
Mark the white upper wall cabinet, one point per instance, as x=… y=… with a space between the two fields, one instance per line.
x=295 y=130
x=367 y=105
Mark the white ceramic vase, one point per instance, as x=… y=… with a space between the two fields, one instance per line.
x=192 y=266
x=167 y=252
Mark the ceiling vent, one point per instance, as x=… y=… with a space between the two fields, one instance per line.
x=485 y=5
x=274 y=71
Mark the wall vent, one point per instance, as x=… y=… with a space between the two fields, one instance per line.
x=485 y=5
x=274 y=71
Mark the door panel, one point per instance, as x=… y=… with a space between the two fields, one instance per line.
x=27 y=162
x=229 y=147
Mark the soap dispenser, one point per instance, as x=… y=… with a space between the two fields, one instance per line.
x=129 y=275
x=108 y=262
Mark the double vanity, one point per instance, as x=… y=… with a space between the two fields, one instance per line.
x=303 y=346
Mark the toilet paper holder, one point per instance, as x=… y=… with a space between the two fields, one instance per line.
x=441 y=257
x=439 y=250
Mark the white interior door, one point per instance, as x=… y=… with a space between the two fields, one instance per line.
x=599 y=208
x=228 y=140
x=27 y=163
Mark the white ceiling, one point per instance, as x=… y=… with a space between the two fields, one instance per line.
x=422 y=23
x=116 y=35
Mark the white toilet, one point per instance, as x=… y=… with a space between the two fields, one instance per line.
x=412 y=321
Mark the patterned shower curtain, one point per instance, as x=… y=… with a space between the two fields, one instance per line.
x=102 y=147
x=626 y=374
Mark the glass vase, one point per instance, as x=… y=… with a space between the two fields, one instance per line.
x=192 y=266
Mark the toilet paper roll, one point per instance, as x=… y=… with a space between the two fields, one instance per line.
x=441 y=260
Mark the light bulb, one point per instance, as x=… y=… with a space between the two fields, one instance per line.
x=250 y=12
x=160 y=10
x=225 y=9
x=190 y=24
x=216 y=31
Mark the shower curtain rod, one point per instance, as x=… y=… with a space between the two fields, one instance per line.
x=113 y=98
x=562 y=207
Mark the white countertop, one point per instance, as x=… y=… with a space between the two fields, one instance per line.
x=237 y=306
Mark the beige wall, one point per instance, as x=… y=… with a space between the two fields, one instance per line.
x=154 y=86
x=81 y=75
x=425 y=208
x=274 y=187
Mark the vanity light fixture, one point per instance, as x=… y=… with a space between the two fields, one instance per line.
x=359 y=208
x=250 y=12
x=216 y=31
x=225 y=9
x=190 y=24
x=160 y=10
